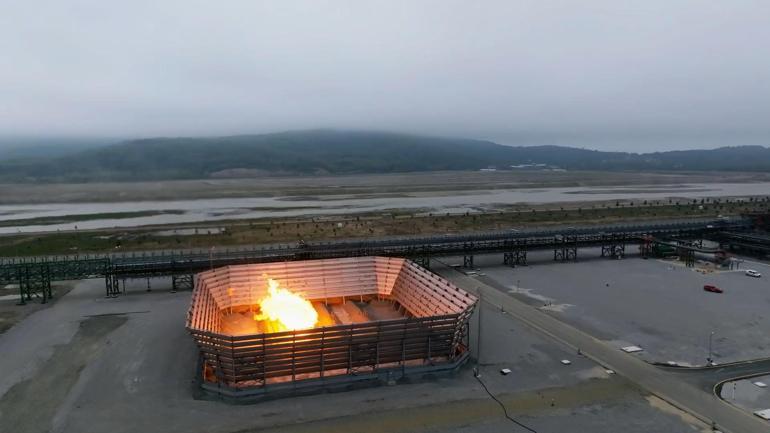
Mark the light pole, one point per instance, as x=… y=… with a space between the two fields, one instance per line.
x=477 y=370
x=710 y=359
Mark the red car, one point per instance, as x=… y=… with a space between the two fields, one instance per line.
x=712 y=289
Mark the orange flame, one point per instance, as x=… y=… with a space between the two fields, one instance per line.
x=288 y=310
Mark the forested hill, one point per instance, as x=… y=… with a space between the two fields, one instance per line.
x=343 y=152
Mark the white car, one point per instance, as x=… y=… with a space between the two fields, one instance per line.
x=753 y=273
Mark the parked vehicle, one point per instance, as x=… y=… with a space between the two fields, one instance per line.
x=712 y=289
x=753 y=273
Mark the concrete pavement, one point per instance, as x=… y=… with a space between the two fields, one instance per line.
x=137 y=376
x=707 y=378
x=666 y=385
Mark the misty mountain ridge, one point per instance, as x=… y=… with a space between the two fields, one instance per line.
x=347 y=152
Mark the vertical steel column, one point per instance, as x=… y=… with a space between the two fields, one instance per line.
x=323 y=347
x=376 y=366
x=294 y=357
x=22 y=301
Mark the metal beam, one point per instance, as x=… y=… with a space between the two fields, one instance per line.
x=34 y=274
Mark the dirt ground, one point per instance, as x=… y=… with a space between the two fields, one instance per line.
x=351 y=184
x=10 y=313
x=565 y=403
x=30 y=405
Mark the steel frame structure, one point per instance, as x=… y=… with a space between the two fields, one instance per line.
x=613 y=246
x=565 y=247
x=434 y=332
x=516 y=257
x=34 y=274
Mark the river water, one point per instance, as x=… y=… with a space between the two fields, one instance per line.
x=201 y=210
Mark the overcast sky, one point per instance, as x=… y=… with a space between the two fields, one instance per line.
x=594 y=73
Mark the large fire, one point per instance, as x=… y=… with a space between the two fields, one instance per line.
x=286 y=310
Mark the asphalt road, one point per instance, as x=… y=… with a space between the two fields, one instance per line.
x=707 y=378
x=88 y=364
x=666 y=385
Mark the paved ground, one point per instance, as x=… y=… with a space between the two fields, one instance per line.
x=744 y=394
x=658 y=305
x=707 y=378
x=705 y=406
x=89 y=364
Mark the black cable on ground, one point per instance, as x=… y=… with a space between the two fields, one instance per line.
x=505 y=410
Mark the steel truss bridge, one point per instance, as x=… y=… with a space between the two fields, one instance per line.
x=34 y=275
x=751 y=243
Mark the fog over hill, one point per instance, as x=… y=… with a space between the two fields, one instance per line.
x=346 y=152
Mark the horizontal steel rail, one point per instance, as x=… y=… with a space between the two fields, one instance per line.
x=745 y=241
